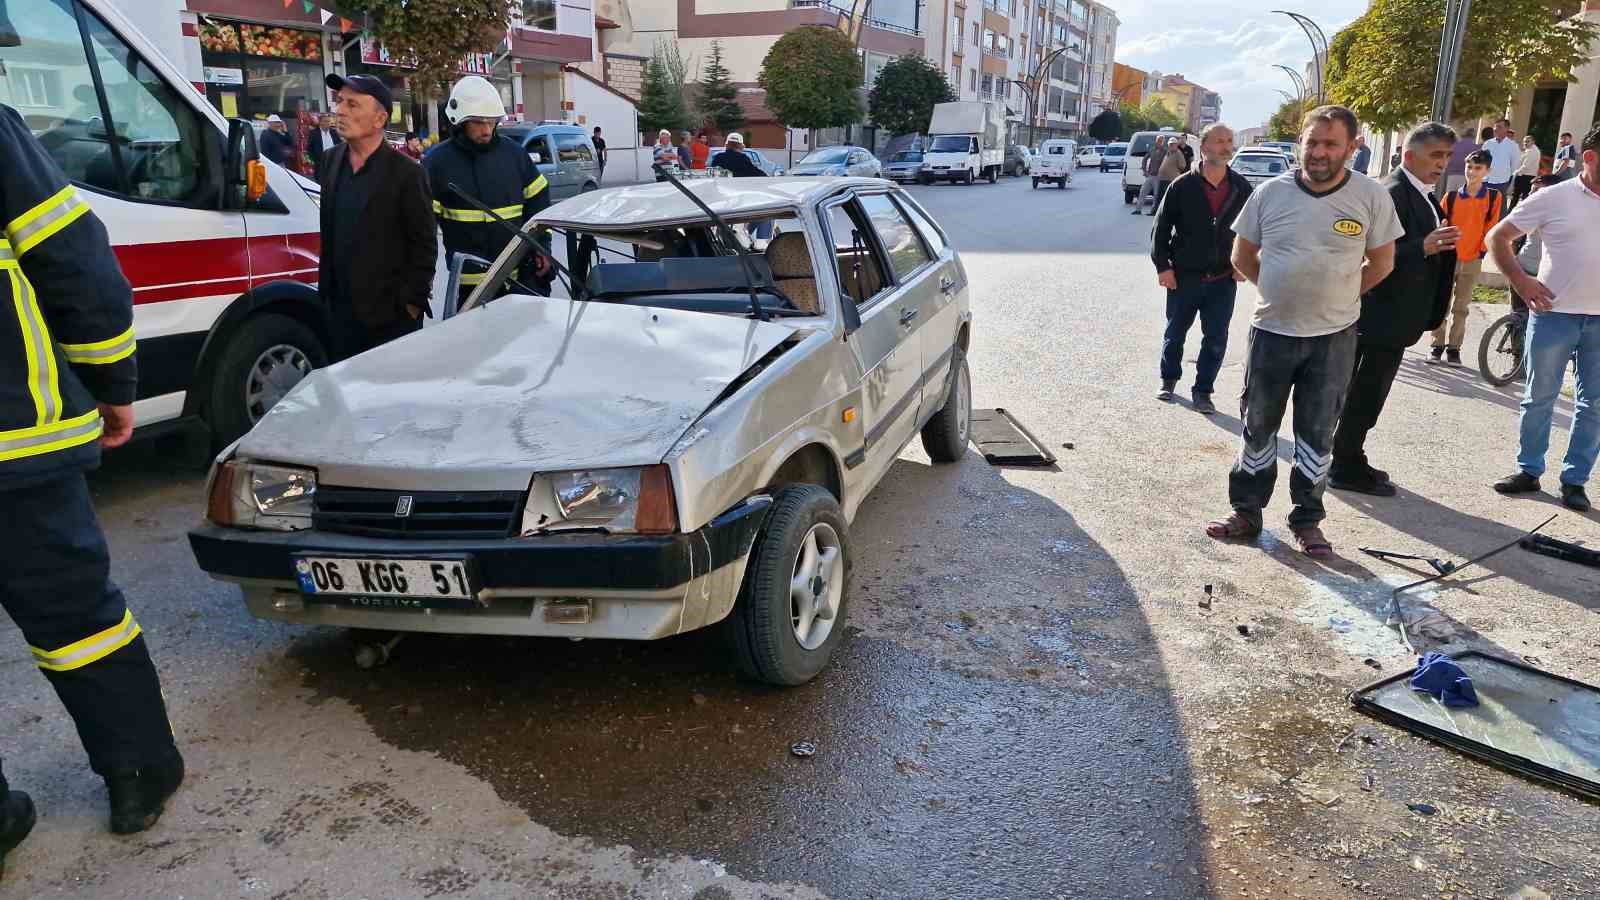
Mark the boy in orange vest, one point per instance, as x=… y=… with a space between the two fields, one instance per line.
x=1474 y=209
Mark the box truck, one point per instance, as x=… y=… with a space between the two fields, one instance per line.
x=966 y=141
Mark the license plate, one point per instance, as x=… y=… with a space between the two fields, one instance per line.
x=386 y=582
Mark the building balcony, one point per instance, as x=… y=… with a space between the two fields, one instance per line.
x=834 y=6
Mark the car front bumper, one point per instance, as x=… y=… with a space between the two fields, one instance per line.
x=636 y=587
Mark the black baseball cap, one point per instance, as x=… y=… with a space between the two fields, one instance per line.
x=370 y=85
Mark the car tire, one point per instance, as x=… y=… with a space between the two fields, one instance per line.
x=1036 y=184
x=969 y=177
x=589 y=186
x=763 y=627
x=994 y=174
x=946 y=434
x=1127 y=196
x=257 y=362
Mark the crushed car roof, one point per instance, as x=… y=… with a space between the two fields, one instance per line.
x=661 y=203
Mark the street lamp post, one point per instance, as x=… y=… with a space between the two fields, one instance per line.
x=1037 y=80
x=1319 y=51
x=1299 y=82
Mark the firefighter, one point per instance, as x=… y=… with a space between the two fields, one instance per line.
x=494 y=171
x=67 y=377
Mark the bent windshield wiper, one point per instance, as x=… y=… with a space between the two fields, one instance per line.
x=756 y=310
x=573 y=287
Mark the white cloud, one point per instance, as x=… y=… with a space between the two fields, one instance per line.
x=1228 y=47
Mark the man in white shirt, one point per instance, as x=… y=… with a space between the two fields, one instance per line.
x=1564 y=321
x=1527 y=171
x=1506 y=154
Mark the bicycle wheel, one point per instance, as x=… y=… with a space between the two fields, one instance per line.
x=1500 y=351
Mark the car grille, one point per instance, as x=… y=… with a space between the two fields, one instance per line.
x=431 y=514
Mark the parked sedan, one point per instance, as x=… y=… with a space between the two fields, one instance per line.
x=762 y=162
x=1259 y=166
x=1019 y=161
x=903 y=166
x=841 y=160
x=1090 y=156
x=1114 y=158
x=680 y=447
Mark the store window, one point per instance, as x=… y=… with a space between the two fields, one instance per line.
x=255 y=71
x=540 y=14
x=153 y=148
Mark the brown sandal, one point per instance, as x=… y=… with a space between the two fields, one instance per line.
x=1234 y=528
x=1312 y=542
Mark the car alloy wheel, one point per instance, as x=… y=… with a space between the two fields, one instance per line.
x=275 y=372
x=817 y=586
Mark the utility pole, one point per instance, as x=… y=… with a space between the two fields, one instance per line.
x=1444 y=81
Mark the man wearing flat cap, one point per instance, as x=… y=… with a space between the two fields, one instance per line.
x=378 y=244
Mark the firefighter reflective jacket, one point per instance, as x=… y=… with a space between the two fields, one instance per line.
x=501 y=176
x=66 y=326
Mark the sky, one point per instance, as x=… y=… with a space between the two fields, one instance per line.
x=1228 y=46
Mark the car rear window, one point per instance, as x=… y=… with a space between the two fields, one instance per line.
x=1258 y=165
x=1116 y=151
x=1141 y=145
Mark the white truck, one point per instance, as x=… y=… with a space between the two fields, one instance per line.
x=1055 y=162
x=966 y=141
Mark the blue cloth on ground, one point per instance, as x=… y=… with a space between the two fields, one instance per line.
x=1439 y=675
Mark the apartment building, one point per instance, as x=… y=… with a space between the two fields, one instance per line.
x=1196 y=105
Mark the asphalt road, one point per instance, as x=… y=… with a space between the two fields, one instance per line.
x=1031 y=701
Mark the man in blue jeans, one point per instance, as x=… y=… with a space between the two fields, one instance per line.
x=1564 y=322
x=1192 y=248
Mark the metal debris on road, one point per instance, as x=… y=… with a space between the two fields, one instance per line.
x=1004 y=441
x=1243 y=629
x=1424 y=809
x=803 y=749
x=1206 y=603
x=1442 y=566
x=1549 y=546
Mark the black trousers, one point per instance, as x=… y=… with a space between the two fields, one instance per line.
x=1521 y=187
x=1375 y=369
x=56 y=586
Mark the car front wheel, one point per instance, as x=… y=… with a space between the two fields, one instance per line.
x=261 y=362
x=790 y=613
x=946 y=434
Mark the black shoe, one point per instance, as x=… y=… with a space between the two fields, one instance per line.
x=1203 y=404
x=1137 y=211
x=16 y=820
x=1379 y=474
x=1574 y=497
x=1452 y=355
x=138 y=800
x=1167 y=388
x=1436 y=355
x=1363 y=480
x=1520 y=483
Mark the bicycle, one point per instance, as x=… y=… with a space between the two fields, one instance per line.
x=1500 y=358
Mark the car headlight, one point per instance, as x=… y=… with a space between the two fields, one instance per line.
x=630 y=501
x=259 y=495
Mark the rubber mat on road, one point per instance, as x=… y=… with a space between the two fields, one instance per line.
x=1527 y=720
x=1004 y=441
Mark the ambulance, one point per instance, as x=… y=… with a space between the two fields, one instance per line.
x=221 y=245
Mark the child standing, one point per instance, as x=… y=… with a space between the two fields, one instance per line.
x=1474 y=209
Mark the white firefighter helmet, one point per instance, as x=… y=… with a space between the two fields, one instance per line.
x=473 y=97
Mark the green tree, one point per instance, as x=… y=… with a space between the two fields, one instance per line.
x=904 y=93
x=432 y=36
x=1285 y=123
x=1159 y=116
x=1133 y=121
x=717 y=97
x=1382 y=65
x=812 y=77
x=661 y=103
x=1106 y=127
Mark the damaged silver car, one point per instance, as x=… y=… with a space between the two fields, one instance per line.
x=683 y=445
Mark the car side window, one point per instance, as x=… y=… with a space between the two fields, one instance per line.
x=929 y=231
x=860 y=268
x=573 y=148
x=899 y=239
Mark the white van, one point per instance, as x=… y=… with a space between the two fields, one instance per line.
x=221 y=246
x=1055 y=162
x=1138 y=148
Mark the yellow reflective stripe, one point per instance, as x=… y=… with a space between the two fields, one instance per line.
x=534 y=187
x=40 y=439
x=6 y=256
x=41 y=361
x=109 y=350
x=91 y=649
x=474 y=215
x=45 y=219
x=473 y=279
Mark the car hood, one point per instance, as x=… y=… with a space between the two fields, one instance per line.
x=523 y=385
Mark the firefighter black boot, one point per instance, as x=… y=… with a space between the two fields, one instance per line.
x=137 y=800
x=16 y=820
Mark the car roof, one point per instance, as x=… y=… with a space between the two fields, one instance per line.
x=643 y=205
x=525 y=129
x=1259 y=151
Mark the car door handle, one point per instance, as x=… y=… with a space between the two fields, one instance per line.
x=907 y=313
x=946 y=284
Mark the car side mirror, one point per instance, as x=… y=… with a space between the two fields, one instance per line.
x=246 y=174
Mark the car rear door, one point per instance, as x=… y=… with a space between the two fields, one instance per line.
x=928 y=281
x=885 y=346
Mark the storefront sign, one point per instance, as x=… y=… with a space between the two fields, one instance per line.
x=222 y=75
x=374 y=53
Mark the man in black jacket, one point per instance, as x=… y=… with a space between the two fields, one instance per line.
x=1401 y=308
x=378 y=241
x=1191 y=248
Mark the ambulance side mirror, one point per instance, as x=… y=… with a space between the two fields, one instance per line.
x=246 y=174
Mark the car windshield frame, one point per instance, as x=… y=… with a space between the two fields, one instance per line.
x=826 y=156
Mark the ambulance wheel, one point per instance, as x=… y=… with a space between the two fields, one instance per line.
x=262 y=360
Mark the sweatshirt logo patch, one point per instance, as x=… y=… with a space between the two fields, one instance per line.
x=1349 y=227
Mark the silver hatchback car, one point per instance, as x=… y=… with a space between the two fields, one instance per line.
x=682 y=445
